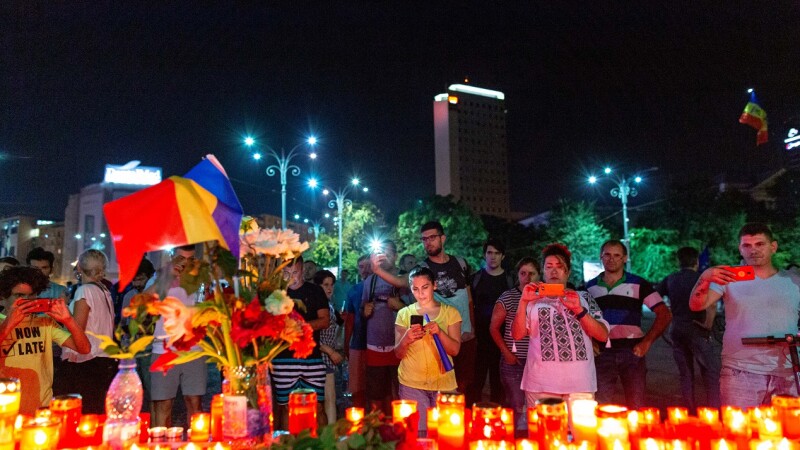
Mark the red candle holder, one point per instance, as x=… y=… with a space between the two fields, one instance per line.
x=303 y=411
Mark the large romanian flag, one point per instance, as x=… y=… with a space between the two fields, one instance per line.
x=178 y=211
x=755 y=116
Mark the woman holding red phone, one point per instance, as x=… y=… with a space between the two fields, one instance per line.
x=561 y=328
x=421 y=372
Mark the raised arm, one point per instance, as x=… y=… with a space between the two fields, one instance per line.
x=702 y=296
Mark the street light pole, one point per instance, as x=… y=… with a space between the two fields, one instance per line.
x=340 y=201
x=283 y=166
x=622 y=191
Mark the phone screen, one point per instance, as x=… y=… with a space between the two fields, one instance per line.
x=416 y=319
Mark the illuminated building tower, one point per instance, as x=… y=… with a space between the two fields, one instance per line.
x=470 y=146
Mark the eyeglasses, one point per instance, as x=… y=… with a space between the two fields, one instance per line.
x=430 y=238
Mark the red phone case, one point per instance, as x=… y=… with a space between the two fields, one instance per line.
x=742 y=273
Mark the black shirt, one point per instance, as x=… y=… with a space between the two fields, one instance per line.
x=678 y=287
x=313 y=297
x=486 y=293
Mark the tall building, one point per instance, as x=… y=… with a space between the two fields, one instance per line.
x=22 y=233
x=470 y=146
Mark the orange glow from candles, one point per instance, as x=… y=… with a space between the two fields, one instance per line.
x=451 y=420
x=651 y=444
x=433 y=422
x=527 y=444
x=200 y=427
x=217 y=404
x=87 y=426
x=303 y=411
x=722 y=444
x=402 y=409
x=677 y=415
x=709 y=416
x=354 y=414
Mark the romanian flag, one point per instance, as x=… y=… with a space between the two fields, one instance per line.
x=178 y=211
x=756 y=117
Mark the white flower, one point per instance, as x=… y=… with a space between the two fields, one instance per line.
x=279 y=303
x=283 y=244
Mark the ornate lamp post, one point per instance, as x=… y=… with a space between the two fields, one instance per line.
x=340 y=201
x=283 y=165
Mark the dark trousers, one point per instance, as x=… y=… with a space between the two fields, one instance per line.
x=621 y=364
x=487 y=361
x=691 y=343
x=90 y=379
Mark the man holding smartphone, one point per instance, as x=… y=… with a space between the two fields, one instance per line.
x=767 y=305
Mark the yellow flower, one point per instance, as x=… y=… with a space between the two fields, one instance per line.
x=177 y=319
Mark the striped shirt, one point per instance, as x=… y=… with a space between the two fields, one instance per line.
x=622 y=303
x=509 y=300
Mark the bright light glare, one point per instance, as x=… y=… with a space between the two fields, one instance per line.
x=327 y=215
x=375 y=245
x=366 y=189
x=638 y=179
x=257 y=156
x=750 y=91
x=296 y=216
x=313 y=155
x=325 y=192
x=592 y=179
x=305 y=220
x=355 y=181
x=78 y=236
x=312 y=140
x=607 y=170
x=249 y=141
x=312 y=183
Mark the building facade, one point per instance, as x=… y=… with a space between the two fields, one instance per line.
x=22 y=233
x=471 y=153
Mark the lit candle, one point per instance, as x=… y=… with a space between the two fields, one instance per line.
x=553 y=426
x=200 y=427
x=433 y=422
x=651 y=444
x=769 y=428
x=216 y=417
x=9 y=407
x=677 y=415
x=677 y=444
x=354 y=415
x=486 y=422
x=533 y=424
x=67 y=409
x=708 y=416
x=87 y=425
x=735 y=421
x=174 y=434
x=612 y=429
x=40 y=434
x=507 y=417
x=402 y=409
x=584 y=420
x=527 y=444
x=451 y=420
x=157 y=434
x=303 y=411
x=722 y=444
x=788 y=409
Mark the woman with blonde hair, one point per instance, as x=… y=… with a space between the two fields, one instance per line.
x=89 y=375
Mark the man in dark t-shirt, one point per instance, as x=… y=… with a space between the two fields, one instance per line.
x=290 y=373
x=691 y=332
x=487 y=286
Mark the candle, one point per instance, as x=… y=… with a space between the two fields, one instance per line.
x=200 y=427
x=533 y=424
x=234 y=416
x=216 y=417
x=9 y=407
x=722 y=444
x=584 y=420
x=708 y=416
x=507 y=417
x=677 y=444
x=769 y=428
x=40 y=434
x=303 y=411
x=433 y=422
x=67 y=409
x=612 y=429
x=354 y=415
x=174 y=434
x=527 y=444
x=651 y=444
x=788 y=409
x=677 y=415
x=451 y=420
x=121 y=433
x=87 y=425
x=485 y=444
x=157 y=434
x=486 y=422
x=402 y=409
x=553 y=426
x=735 y=421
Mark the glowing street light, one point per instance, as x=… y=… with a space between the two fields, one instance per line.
x=622 y=190
x=282 y=166
x=340 y=201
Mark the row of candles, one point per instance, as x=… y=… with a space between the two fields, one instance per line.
x=582 y=424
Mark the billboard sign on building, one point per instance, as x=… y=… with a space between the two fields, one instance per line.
x=132 y=174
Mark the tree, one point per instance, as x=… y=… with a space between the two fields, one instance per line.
x=653 y=251
x=575 y=224
x=362 y=221
x=464 y=230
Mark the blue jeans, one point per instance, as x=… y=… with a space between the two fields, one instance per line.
x=511 y=379
x=425 y=399
x=622 y=364
x=690 y=344
x=747 y=389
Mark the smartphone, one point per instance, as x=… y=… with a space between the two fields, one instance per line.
x=742 y=273
x=551 y=290
x=416 y=319
x=43 y=305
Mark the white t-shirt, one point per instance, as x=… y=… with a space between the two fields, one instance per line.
x=559 y=347
x=100 y=320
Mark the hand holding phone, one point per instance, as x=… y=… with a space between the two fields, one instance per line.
x=416 y=319
x=41 y=305
x=741 y=273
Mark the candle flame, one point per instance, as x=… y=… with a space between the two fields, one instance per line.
x=405 y=410
x=770 y=426
x=199 y=423
x=618 y=445
x=525 y=444
x=764 y=445
x=455 y=419
x=784 y=444
x=650 y=444
x=40 y=437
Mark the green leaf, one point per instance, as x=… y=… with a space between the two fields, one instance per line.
x=356 y=441
x=140 y=344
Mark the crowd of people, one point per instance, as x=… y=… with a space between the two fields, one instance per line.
x=410 y=328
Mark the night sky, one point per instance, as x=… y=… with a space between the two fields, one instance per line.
x=587 y=83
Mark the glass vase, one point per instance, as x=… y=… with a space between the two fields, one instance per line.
x=248 y=388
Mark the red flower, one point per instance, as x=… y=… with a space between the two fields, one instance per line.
x=162 y=362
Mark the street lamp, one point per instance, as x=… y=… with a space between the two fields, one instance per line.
x=282 y=166
x=622 y=191
x=339 y=201
x=315 y=227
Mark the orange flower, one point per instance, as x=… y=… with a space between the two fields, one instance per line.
x=177 y=319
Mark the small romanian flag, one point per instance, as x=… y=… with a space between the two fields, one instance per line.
x=178 y=211
x=755 y=116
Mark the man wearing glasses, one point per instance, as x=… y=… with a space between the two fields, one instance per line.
x=620 y=295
